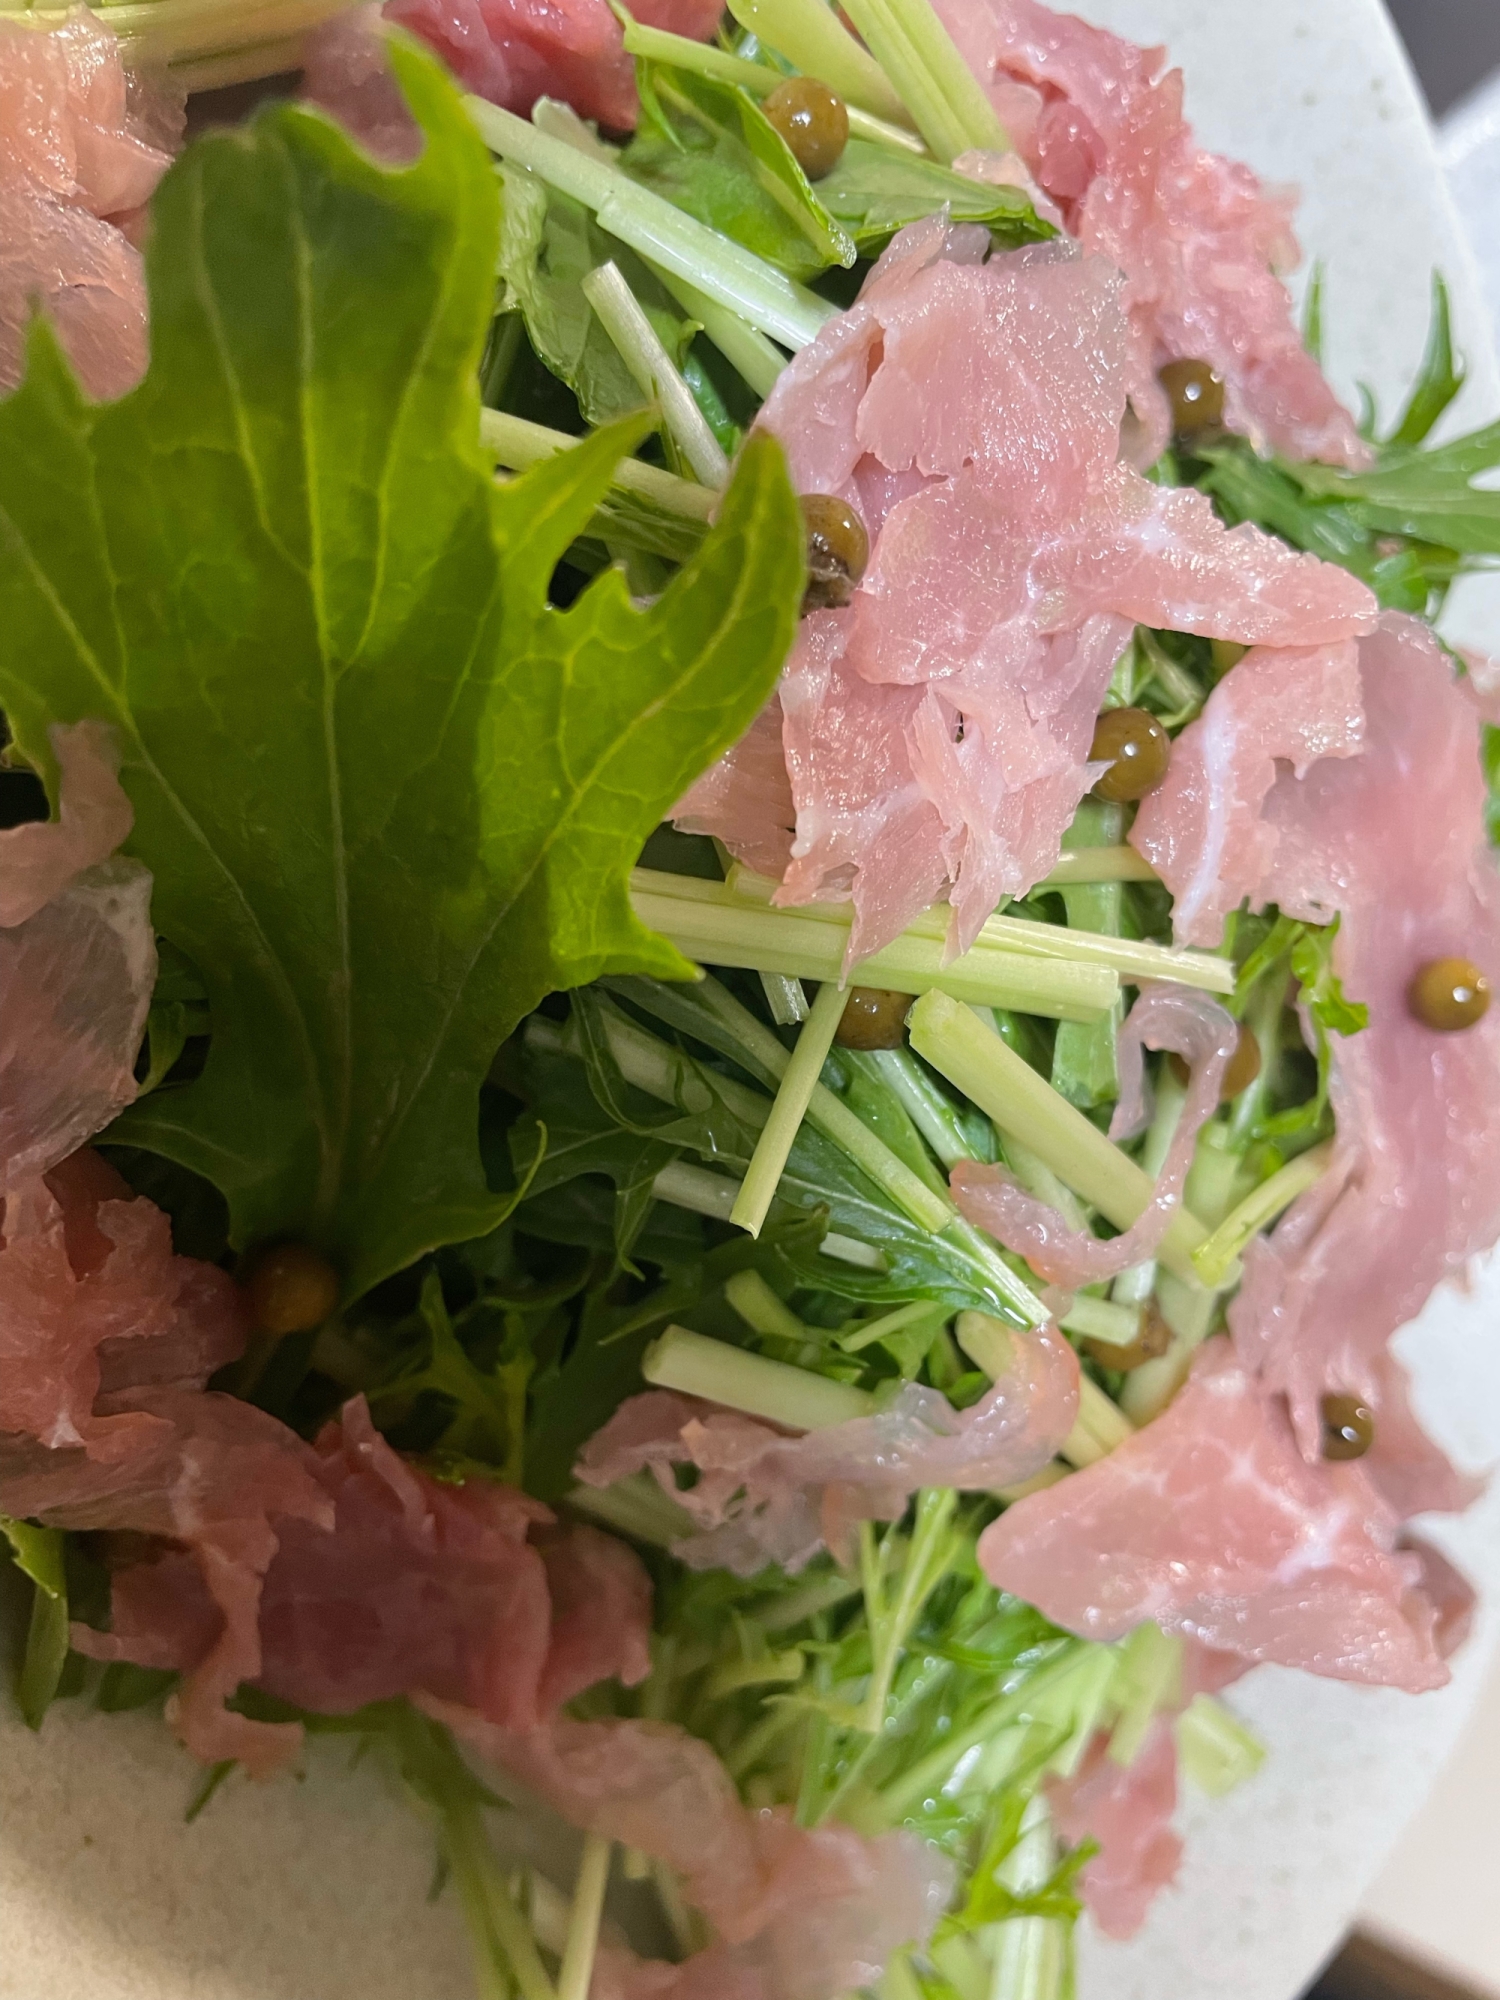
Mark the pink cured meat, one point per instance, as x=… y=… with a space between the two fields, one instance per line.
x=1200 y=241
x=1393 y=839
x=1163 y=1017
x=388 y=1582
x=800 y=1914
x=1203 y=830
x=1128 y=1810
x=93 y=1299
x=936 y=733
x=763 y=1496
x=76 y=158
x=749 y=788
x=346 y=74
x=75 y=989
x=1211 y=1523
x=39 y=858
x=515 y=51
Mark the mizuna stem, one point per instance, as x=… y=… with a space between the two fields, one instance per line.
x=793 y=1097
x=656 y=374
x=696 y=1366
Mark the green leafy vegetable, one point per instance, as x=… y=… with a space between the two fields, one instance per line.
x=874 y=191
x=389 y=796
x=711 y=151
x=38 y=1554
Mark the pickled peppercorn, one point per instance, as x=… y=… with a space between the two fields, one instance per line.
x=1448 y=994
x=873 y=1019
x=1348 y=1427
x=1137 y=750
x=813 y=122
x=1196 y=395
x=291 y=1289
x=837 y=551
x=1241 y=1070
x=1153 y=1340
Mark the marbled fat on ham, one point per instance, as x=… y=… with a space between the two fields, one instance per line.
x=1200 y=241
x=936 y=732
x=515 y=51
x=1211 y=1523
x=1203 y=830
x=762 y=1496
x=1163 y=1017
x=78 y=160
x=1393 y=840
x=799 y=1913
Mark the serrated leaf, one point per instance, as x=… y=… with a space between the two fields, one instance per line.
x=389 y=796
x=38 y=1554
x=874 y=190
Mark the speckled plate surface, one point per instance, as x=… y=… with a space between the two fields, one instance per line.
x=317 y=1890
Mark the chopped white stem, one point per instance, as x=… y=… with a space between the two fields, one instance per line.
x=686 y=1186
x=891 y=1322
x=656 y=374
x=812 y=947
x=1148 y=1680
x=658 y=231
x=811 y=36
x=635 y=1506
x=518 y=443
x=176 y=31
x=696 y=1366
x=1216 y=1258
x=1021 y=1102
x=785 y=998
x=793 y=1098
x=577 y=1970
x=1102 y=1320
x=1217 y=1750
x=1131 y=958
x=1099 y=864
x=760 y=1309
x=1030 y=1953
x=930 y=1111
x=744 y=347
x=561 y=121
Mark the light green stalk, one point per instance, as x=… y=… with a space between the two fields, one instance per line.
x=687 y=1186
x=635 y=1506
x=799 y=1080
x=812 y=38
x=706 y=59
x=662 y=234
x=518 y=443
x=1217 y=1750
x=1148 y=1680
x=577 y=1969
x=930 y=1111
x=760 y=1309
x=1102 y=1319
x=1099 y=864
x=928 y=1555
x=696 y=1366
x=1001 y=1083
x=725 y=930
x=1030 y=1953
x=785 y=998
x=1128 y=956
x=656 y=374
x=491 y=1913
x=177 y=33
x=1216 y=1258
x=889 y=1323
x=744 y=347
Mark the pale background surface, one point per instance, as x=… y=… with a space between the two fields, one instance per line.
x=315 y=1892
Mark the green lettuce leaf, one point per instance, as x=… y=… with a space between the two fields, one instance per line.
x=389 y=795
x=708 y=148
x=38 y=1554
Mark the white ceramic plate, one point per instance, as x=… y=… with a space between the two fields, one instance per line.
x=317 y=1890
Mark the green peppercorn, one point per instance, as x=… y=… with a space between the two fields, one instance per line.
x=873 y=1018
x=1348 y=1427
x=1137 y=750
x=1448 y=994
x=291 y=1289
x=813 y=122
x=1196 y=394
x=838 y=549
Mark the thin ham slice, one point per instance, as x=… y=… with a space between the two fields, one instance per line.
x=936 y=732
x=1210 y=1522
x=381 y=1581
x=39 y=858
x=515 y=51
x=1203 y=830
x=1128 y=1810
x=1163 y=1017
x=1200 y=241
x=77 y=158
x=1393 y=840
x=800 y=1913
x=763 y=1496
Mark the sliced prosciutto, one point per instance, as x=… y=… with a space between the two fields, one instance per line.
x=1211 y=1523
x=762 y=1496
x=515 y=51
x=1392 y=840
x=1200 y=241
x=1164 y=1017
x=1128 y=1810
x=386 y=1582
x=78 y=160
x=800 y=1914
x=936 y=732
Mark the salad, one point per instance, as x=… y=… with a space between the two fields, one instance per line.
x=745 y=933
